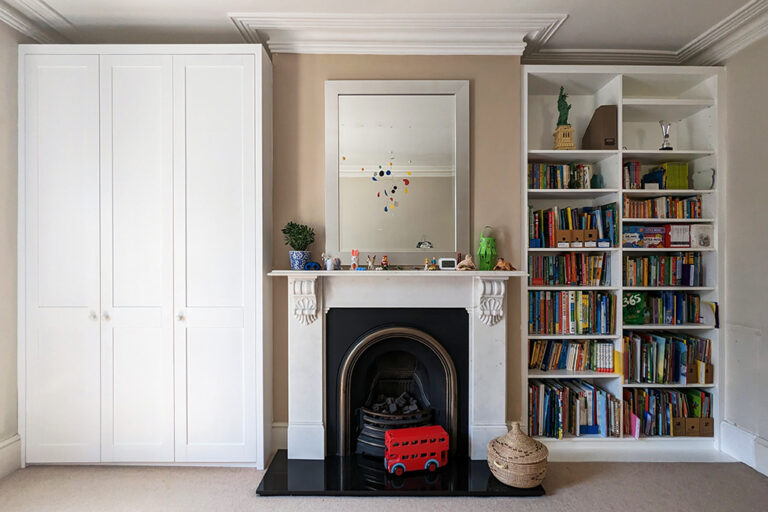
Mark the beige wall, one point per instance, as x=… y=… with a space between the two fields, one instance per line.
x=9 y=40
x=300 y=155
x=747 y=241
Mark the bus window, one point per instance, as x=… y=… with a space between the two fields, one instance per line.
x=432 y=440
x=423 y=441
x=442 y=440
x=405 y=443
x=404 y=457
x=395 y=444
x=432 y=454
x=423 y=455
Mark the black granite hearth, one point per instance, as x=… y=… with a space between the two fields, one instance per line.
x=362 y=476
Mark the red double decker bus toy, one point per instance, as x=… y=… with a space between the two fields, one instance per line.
x=414 y=449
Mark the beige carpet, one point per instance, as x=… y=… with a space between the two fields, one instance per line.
x=593 y=486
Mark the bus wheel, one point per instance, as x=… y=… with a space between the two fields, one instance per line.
x=431 y=467
x=399 y=471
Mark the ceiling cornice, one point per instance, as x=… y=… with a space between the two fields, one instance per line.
x=396 y=34
x=45 y=16
x=18 y=16
x=715 y=45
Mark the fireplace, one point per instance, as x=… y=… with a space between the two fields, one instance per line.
x=394 y=368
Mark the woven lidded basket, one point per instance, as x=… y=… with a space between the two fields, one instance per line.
x=517 y=459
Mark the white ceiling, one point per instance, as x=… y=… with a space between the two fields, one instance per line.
x=591 y=24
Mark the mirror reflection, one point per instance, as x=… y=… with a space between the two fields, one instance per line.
x=397 y=172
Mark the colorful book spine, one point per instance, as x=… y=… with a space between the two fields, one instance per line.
x=571 y=312
x=572 y=408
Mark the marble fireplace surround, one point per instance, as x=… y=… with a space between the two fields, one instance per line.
x=312 y=294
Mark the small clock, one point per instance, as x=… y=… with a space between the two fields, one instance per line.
x=447 y=263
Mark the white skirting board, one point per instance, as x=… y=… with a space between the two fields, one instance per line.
x=10 y=455
x=745 y=446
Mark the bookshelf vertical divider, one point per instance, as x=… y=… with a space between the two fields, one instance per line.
x=691 y=98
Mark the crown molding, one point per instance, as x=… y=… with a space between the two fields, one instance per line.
x=395 y=34
x=713 y=46
x=19 y=20
x=43 y=15
x=726 y=38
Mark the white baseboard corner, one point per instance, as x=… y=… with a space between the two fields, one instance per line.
x=10 y=455
x=745 y=446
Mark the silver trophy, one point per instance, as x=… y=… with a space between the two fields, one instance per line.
x=665 y=126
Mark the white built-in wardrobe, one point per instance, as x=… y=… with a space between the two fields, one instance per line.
x=144 y=222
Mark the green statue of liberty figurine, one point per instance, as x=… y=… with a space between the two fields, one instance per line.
x=563 y=108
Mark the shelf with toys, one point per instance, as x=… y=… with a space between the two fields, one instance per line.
x=662 y=245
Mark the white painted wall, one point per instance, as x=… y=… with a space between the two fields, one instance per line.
x=746 y=405
x=9 y=41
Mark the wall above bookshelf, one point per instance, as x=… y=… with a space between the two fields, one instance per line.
x=689 y=98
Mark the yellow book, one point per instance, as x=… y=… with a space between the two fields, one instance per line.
x=617 y=362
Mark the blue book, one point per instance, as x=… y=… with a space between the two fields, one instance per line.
x=602 y=412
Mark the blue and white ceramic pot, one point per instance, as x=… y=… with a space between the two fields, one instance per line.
x=298 y=259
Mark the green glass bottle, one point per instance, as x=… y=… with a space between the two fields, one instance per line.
x=486 y=253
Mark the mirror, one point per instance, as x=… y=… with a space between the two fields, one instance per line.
x=397 y=169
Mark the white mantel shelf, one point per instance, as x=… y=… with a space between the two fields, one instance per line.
x=453 y=274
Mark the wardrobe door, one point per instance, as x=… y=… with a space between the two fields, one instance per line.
x=137 y=258
x=214 y=258
x=60 y=158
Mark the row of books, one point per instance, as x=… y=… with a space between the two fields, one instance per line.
x=571 y=355
x=664 y=207
x=658 y=358
x=676 y=269
x=559 y=176
x=543 y=224
x=670 y=236
x=662 y=308
x=657 y=412
x=569 y=269
x=571 y=312
x=669 y=175
x=557 y=408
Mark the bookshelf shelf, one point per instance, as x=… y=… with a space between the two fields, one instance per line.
x=670 y=386
x=670 y=288
x=583 y=156
x=688 y=97
x=555 y=193
x=534 y=336
x=573 y=249
x=667 y=221
x=669 y=249
x=565 y=374
x=652 y=156
x=658 y=193
x=666 y=327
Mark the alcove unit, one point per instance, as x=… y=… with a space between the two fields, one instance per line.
x=691 y=100
x=144 y=221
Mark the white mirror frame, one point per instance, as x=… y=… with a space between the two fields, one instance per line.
x=460 y=91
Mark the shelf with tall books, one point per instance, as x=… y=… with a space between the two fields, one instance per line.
x=623 y=256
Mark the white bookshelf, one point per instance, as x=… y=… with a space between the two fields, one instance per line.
x=689 y=98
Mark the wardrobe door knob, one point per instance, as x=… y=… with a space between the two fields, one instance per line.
x=180 y=317
x=107 y=318
x=93 y=316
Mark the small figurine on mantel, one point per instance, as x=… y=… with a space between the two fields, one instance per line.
x=384 y=262
x=371 y=262
x=503 y=265
x=353 y=259
x=564 y=132
x=466 y=263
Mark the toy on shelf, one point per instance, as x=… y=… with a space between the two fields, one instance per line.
x=416 y=449
x=371 y=262
x=564 y=132
x=312 y=265
x=503 y=265
x=431 y=264
x=384 y=263
x=466 y=263
x=486 y=253
x=353 y=261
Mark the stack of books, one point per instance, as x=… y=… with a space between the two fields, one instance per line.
x=571 y=355
x=559 y=176
x=665 y=308
x=543 y=224
x=663 y=207
x=667 y=412
x=633 y=175
x=571 y=312
x=569 y=269
x=678 y=359
x=557 y=408
x=677 y=269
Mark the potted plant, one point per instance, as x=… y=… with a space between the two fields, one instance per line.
x=299 y=237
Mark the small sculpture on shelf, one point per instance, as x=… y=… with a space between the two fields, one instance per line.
x=665 y=145
x=431 y=264
x=371 y=262
x=384 y=263
x=503 y=265
x=353 y=261
x=466 y=263
x=564 y=132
